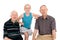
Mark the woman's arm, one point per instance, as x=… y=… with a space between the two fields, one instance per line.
x=19 y=18
x=35 y=15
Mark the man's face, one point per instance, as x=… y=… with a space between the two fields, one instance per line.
x=14 y=16
x=43 y=10
x=27 y=8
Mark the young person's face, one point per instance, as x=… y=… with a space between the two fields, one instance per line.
x=14 y=16
x=43 y=10
x=27 y=8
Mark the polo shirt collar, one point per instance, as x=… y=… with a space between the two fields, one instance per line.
x=46 y=17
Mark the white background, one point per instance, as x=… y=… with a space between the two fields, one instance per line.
x=6 y=6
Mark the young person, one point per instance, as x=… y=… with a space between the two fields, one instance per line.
x=26 y=20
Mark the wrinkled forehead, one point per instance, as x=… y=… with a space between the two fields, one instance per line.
x=14 y=13
x=27 y=6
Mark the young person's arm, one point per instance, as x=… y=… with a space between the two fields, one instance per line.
x=19 y=18
x=35 y=15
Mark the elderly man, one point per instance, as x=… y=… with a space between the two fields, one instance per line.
x=12 y=28
x=45 y=26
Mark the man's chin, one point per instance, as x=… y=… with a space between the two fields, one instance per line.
x=14 y=19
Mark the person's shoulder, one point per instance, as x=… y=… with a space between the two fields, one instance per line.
x=39 y=18
x=51 y=17
x=8 y=21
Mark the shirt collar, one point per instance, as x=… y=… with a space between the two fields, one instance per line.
x=46 y=17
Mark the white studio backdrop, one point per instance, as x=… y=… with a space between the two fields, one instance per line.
x=6 y=6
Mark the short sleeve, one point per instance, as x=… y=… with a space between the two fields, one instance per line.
x=53 y=24
x=36 y=24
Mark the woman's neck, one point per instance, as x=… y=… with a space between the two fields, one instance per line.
x=27 y=14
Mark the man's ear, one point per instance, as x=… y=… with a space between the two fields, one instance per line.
x=47 y=9
x=39 y=10
x=10 y=15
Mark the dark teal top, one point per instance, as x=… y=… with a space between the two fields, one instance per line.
x=27 y=20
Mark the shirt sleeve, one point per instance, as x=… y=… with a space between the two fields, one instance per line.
x=53 y=24
x=36 y=24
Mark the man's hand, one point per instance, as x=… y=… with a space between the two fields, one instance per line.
x=6 y=38
x=33 y=38
x=53 y=34
x=53 y=39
